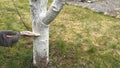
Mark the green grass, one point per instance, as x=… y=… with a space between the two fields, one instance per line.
x=79 y=38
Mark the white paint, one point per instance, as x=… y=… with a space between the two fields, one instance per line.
x=41 y=19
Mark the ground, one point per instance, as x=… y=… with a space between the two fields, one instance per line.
x=108 y=7
x=79 y=38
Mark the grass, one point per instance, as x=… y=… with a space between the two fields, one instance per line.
x=79 y=38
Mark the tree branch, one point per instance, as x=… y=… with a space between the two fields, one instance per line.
x=53 y=11
x=38 y=8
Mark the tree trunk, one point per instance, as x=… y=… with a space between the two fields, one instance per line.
x=41 y=19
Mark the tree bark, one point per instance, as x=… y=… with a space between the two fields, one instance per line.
x=41 y=19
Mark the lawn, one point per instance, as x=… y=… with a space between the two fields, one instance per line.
x=79 y=38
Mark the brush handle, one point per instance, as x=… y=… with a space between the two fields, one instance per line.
x=29 y=34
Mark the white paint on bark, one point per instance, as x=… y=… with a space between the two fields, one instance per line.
x=41 y=19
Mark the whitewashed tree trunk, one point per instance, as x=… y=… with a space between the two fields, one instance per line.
x=41 y=18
